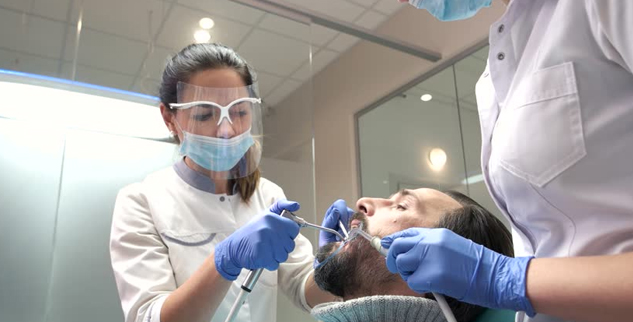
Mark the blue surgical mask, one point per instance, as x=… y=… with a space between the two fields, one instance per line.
x=449 y=10
x=216 y=154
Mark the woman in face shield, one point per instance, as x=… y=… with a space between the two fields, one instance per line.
x=183 y=240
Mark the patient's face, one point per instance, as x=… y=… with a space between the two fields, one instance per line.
x=405 y=209
x=359 y=270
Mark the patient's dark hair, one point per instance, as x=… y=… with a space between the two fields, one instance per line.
x=474 y=222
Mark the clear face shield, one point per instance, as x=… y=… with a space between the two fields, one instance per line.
x=222 y=128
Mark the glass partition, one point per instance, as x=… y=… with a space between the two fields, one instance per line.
x=467 y=72
x=427 y=135
x=28 y=227
x=397 y=138
x=61 y=168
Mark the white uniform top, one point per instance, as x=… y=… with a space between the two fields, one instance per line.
x=166 y=226
x=556 y=111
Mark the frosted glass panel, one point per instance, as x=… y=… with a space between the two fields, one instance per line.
x=96 y=166
x=78 y=110
x=397 y=137
x=30 y=163
x=467 y=72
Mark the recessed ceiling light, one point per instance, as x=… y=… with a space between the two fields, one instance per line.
x=437 y=159
x=426 y=97
x=202 y=36
x=206 y=23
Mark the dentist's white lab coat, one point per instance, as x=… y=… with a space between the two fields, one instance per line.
x=164 y=228
x=556 y=111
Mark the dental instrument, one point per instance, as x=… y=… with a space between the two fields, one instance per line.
x=303 y=223
x=247 y=288
x=253 y=275
x=249 y=282
x=340 y=224
x=374 y=241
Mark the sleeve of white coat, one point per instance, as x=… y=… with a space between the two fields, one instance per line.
x=293 y=274
x=612 y=24
x=140 y=260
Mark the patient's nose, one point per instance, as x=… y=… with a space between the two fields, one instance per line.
x=366 y=206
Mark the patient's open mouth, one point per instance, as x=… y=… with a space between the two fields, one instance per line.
x=358 y=220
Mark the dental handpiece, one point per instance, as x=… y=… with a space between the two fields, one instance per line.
x=249 y=283
x=374 y=241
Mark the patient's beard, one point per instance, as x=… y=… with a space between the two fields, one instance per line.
x=354 y=272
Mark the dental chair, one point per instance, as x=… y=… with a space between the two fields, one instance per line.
x=491 y=315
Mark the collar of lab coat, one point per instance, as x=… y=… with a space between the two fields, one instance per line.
x=197 y=179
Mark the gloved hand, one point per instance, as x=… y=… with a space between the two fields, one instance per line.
x=337 y=211
x=264 y=242
x=438 y=260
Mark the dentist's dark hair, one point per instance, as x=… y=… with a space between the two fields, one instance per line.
x=200 y=57
x=197 y=58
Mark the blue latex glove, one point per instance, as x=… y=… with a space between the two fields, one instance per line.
x=438 y=260
x=337 y=211
x=264 y=242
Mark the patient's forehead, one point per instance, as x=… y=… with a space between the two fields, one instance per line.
x=436 y=198
x=430 y=207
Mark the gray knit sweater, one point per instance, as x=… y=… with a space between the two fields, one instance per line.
x=380 y=308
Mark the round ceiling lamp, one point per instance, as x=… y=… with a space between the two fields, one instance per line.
x=437 y=159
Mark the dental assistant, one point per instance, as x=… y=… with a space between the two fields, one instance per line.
x=184 y=239
x=556 y=111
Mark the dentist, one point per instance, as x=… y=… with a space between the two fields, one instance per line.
x=183 y=240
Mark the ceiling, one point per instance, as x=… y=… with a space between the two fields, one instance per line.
x=125 y=44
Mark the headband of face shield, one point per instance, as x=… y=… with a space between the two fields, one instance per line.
x=222 y=128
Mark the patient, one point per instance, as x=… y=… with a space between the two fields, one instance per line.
x=358 y=274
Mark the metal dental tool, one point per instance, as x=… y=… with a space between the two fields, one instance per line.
x=253 y=275
x=247 y=288
x=340 y=224
x=249 y=283
x=302 y=223
x=374 y=241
